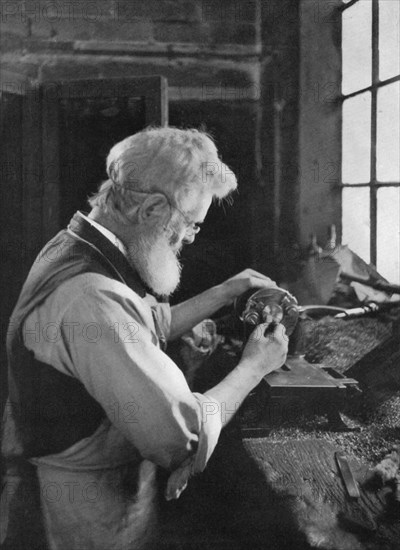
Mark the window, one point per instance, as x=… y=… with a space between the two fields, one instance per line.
x=371 y=132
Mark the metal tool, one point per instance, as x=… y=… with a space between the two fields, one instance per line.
x=314 y=311
x=372 y=307
x=297 y=379
x=347 y=475
x=254 y=307
x=367 y=309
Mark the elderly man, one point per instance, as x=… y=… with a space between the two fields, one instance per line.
x=95 y=403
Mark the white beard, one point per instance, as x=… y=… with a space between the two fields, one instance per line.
x=156 y=262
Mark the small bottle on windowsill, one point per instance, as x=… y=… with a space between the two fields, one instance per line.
x=313 y=248
x=331 y=244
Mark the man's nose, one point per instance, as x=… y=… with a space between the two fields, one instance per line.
x=189 y=238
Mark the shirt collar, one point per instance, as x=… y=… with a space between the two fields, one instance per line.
x=107 y=233
x=80 y=227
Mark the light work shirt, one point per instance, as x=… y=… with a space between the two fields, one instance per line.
x=101 y=332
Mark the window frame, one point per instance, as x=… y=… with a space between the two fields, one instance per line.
x=374 y=185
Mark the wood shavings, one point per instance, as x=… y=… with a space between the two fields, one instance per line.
x=340 y=343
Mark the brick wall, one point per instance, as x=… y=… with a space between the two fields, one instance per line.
x=154 y=21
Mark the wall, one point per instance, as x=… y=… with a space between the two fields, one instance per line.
x=232 y=67
x=280 y=122
x=210 y=53
x=320 y=120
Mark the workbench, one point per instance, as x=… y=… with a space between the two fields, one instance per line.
x=284 y=491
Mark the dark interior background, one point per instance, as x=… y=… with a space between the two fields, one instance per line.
x=89 y=128
x=247 y=72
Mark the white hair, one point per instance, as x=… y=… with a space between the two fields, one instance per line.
x=168 y=160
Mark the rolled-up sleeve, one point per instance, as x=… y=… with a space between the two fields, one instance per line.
x=109 y=343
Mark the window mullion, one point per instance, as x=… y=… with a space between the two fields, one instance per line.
x=379 y=84
x=377 y=185
x=348 y=5
x=374 y=101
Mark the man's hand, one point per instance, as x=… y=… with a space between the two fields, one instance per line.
x=187 y=314
x=266 y=349
x=265 y=352
x=247 y=279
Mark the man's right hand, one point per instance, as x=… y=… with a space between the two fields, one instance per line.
x=266 y=349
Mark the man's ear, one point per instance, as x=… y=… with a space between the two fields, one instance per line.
x=154 y=207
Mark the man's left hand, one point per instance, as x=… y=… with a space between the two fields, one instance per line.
x=247 y=279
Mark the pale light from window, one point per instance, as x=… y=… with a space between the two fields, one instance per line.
x=356 y=220
x=389 y=38
x=356 y=139
x=388 y=237
x=388 y=137
x=357 y=47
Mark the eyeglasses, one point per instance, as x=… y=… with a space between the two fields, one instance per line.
x=194 y=227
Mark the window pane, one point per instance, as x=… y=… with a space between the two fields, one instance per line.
x=389 y=38
x=388 y=241
x=356 y=221
x=356 y=139
x=357 y=46
x=388 y=139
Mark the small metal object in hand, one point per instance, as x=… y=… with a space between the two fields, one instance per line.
x=259 y=306
x=349 y=482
